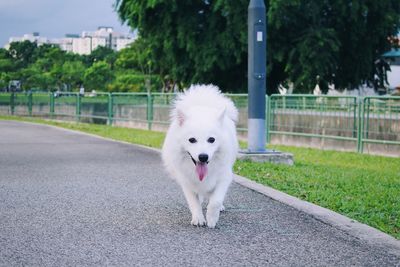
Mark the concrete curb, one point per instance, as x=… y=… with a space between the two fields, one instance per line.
x=354 y=228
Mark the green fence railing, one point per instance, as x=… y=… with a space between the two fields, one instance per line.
x=326 y=117
x=355 y=121
x=380 y=121
x=358 y=122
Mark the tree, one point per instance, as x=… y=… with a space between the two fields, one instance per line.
x=193 y=41
x=131 y=82
x=42 y=51
x=45 y=67
x=6 y=61
x=72 y=73
x=98 y=76
x=206 y=41
x=337 y=40
x=101 y=53
x=4 y=79
x=138 y=56
x=51 y=62
x=33 y=77
x=22 y=53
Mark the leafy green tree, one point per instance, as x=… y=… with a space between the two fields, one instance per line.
x=101 y=53
x=131 y=82
x=126 y=59
x=41 y=51
x=193 y=41
x=32 y=77
x=44 y=67
x=72 y=73
x=98 y=76
x=51 y=63
x=22 y=53
x=138 y=56
x=313 y=49
x=206 y=41
x=6 y=61
x=4 y=79
x=337 y=40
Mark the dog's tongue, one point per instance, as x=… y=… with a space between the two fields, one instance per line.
x=201 y=169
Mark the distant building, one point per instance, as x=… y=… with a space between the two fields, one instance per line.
x=66 y=42
x=82 y=44
x=32 y=37
x=121 y=43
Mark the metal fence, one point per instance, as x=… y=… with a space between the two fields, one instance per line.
x=380 y=122
x=336 y=122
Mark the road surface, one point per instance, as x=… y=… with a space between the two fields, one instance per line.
x=69 y=199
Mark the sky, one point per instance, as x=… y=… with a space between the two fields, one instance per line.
x=55 y=18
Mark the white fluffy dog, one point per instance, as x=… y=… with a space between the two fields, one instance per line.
x=200 y=149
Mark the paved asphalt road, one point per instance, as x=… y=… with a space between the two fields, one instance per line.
x=68 y=199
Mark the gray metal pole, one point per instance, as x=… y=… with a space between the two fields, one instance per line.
x=257 y=50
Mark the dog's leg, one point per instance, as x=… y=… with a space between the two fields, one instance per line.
x=215 y=204
x=195 y=207
x=201 y=199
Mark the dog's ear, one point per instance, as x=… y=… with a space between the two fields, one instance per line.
x=221 y=115
x=180 y=116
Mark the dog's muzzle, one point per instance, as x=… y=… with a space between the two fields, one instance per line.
x=203 y=158
x=201 y=165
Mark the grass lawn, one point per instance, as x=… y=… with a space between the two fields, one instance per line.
x=362 y=187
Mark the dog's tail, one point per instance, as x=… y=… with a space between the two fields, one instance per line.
x=204 y=95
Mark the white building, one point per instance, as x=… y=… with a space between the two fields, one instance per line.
x=32 y=37
x=85 y=43
x=122 y=43
x=66 y=42
x=104 y=36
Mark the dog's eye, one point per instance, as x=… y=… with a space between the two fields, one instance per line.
x=192 y=140
x=211 y=140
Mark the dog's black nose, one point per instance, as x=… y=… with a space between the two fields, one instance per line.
x=203 y=157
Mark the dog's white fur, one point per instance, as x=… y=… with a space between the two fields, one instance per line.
x=200 y=113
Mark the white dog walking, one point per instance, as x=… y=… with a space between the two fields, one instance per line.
x=200 y=149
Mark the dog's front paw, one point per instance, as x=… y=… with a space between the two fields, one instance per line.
x=212 y=222
x=212 y=219
x=198 y=221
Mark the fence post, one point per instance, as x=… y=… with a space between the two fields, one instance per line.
x=30 y=103
x=355 y=108
x=149 y=110
x=284 y=102
x=78 y=107
x=12 y=103
x=268 y=116
x=362 y=103
x=360 y=127
x=51 y=104
x=273 y=107
x=110 y=109
x=366 y=106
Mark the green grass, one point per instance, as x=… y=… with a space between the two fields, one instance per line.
x=362 y=187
